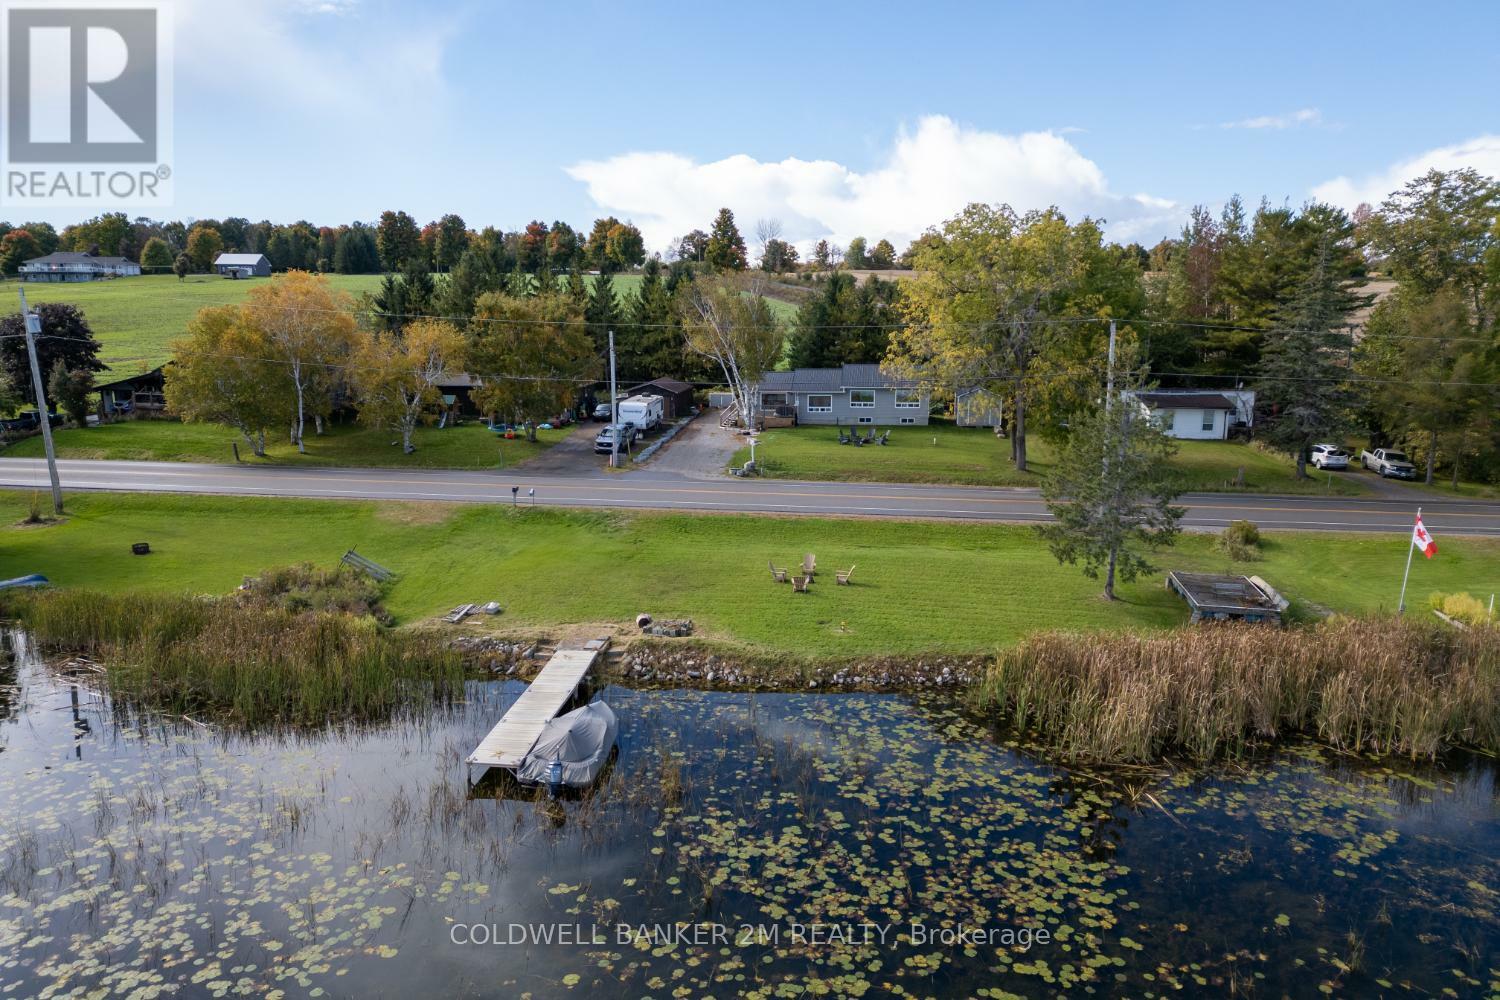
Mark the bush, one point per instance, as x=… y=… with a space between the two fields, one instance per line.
x=306 y=588
x=1465 y=608
x=1240 y=541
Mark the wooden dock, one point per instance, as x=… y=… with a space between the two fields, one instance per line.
x=516 y=733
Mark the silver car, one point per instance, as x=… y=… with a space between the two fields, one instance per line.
x=1329 y=456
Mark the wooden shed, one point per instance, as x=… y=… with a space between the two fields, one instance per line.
x=676 y=397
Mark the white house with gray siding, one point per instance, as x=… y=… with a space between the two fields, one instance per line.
x=68 y=266
x=853 y=394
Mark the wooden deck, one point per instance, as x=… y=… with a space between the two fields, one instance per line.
x=514 y=735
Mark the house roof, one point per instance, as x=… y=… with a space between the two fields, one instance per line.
x=238 y=259
x=458 y=380
x=73 y=257
x=665 y=384
x=120 y=383
x=1186 y=401
x=831 y=379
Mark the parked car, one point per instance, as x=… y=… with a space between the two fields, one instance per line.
x=604 y=442
x=1329 y=456
x=601 y=413
x=1387 y=463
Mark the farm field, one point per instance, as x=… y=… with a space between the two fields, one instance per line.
x=919 y=587
x=136 y=319
x=973 y=456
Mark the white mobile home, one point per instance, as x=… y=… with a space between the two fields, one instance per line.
x=1197 y=414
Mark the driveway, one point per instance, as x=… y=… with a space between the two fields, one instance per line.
x=700 y=451
x=572 y=456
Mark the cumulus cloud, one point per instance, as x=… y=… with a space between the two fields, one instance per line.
x=928 y=175
x=1481 y=153
x=1306 y=116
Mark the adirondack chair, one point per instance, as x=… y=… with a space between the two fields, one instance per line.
x=799 y=584
x=870 y=436
x=809 y=565
x=779 y=575
x=843 y=438
x=885 y=438
x=842 y=576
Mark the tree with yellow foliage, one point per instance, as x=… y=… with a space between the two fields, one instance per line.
x=397 y=374
x=221 y=373
x=310 y=330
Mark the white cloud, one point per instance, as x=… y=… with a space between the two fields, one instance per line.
x=321 y=57
x=928 y=176
x=1481 y=153
x=1306 y=116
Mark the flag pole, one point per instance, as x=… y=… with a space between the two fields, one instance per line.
x=1410 y=546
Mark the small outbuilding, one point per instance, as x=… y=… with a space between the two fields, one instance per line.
x=676 y=397
x=138 y=395
x=243 y=265
x=1217 y=597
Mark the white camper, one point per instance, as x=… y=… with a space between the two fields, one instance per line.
x=643 y=411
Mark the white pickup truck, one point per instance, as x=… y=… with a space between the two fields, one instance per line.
x=1391 y=464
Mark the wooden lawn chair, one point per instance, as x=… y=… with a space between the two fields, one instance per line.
x=842 y=576
x=809 y=565
x=779 y=575
x=799 y=584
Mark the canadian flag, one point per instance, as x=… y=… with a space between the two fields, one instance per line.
x=1422 y=540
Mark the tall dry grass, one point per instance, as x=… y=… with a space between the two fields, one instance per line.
x=249 y=665
x=1387 y=684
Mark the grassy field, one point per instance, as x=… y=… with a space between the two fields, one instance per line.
x=920 y=587
x=972 y=456
x=468 y=446
x=136 y=318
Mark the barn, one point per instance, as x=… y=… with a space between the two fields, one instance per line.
x=243 y=265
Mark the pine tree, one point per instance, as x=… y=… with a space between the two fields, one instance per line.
x=1302 y=389
x=1109 y=502
x=726 y=247
x=603 y=311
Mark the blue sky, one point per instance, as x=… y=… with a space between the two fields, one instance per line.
x=837 y=119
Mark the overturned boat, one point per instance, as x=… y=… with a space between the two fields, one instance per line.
x=572 y=749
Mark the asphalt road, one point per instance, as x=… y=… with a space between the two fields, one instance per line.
x=645 y=490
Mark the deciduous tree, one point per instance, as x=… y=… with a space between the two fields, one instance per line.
x=397 y=374
x=310 y=330
x=728 y=322
x=204 y=244
x=69 y=391
x=397 y=239
x=66 y=339
x=533 y=356
x=222 y=372
x=155 y=256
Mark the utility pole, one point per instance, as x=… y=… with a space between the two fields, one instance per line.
x=614 y=409
x=33 y=324
x=1109 y=379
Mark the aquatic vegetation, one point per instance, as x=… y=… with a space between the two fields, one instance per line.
x=250 y=665
x=841 y=842
x=1391 y=685
x=305 y=587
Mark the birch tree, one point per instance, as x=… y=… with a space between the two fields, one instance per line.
x=729 y=322
x=397 y=375
x=221 y=373
x=310 y=329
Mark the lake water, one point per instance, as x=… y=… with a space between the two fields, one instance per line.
x=742 y=844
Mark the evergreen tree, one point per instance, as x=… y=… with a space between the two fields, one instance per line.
x=651 y=346
x=603 y=311
x=390 y=302
x=578 y=289
x=1109 y=502
x=470 y=278
x=1301 y=389
x=845 y=324
x=726 y=247
x=419 y=288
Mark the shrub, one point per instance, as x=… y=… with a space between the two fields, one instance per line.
x=1465 y=608
x=1240 y=541
x=305 y=587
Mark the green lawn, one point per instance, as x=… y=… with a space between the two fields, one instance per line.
x=972 y=456
x=920 y=587
x=136 y=318
x=468 y=446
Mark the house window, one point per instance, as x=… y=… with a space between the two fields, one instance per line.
x=819 y=404
x=773 y=399
x=867 y=420
x=908 y=420
x=908 y=399
x=862 y=399
x=1208 y=420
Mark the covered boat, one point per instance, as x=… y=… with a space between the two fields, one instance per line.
x=572 y=749
x=33 y=580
